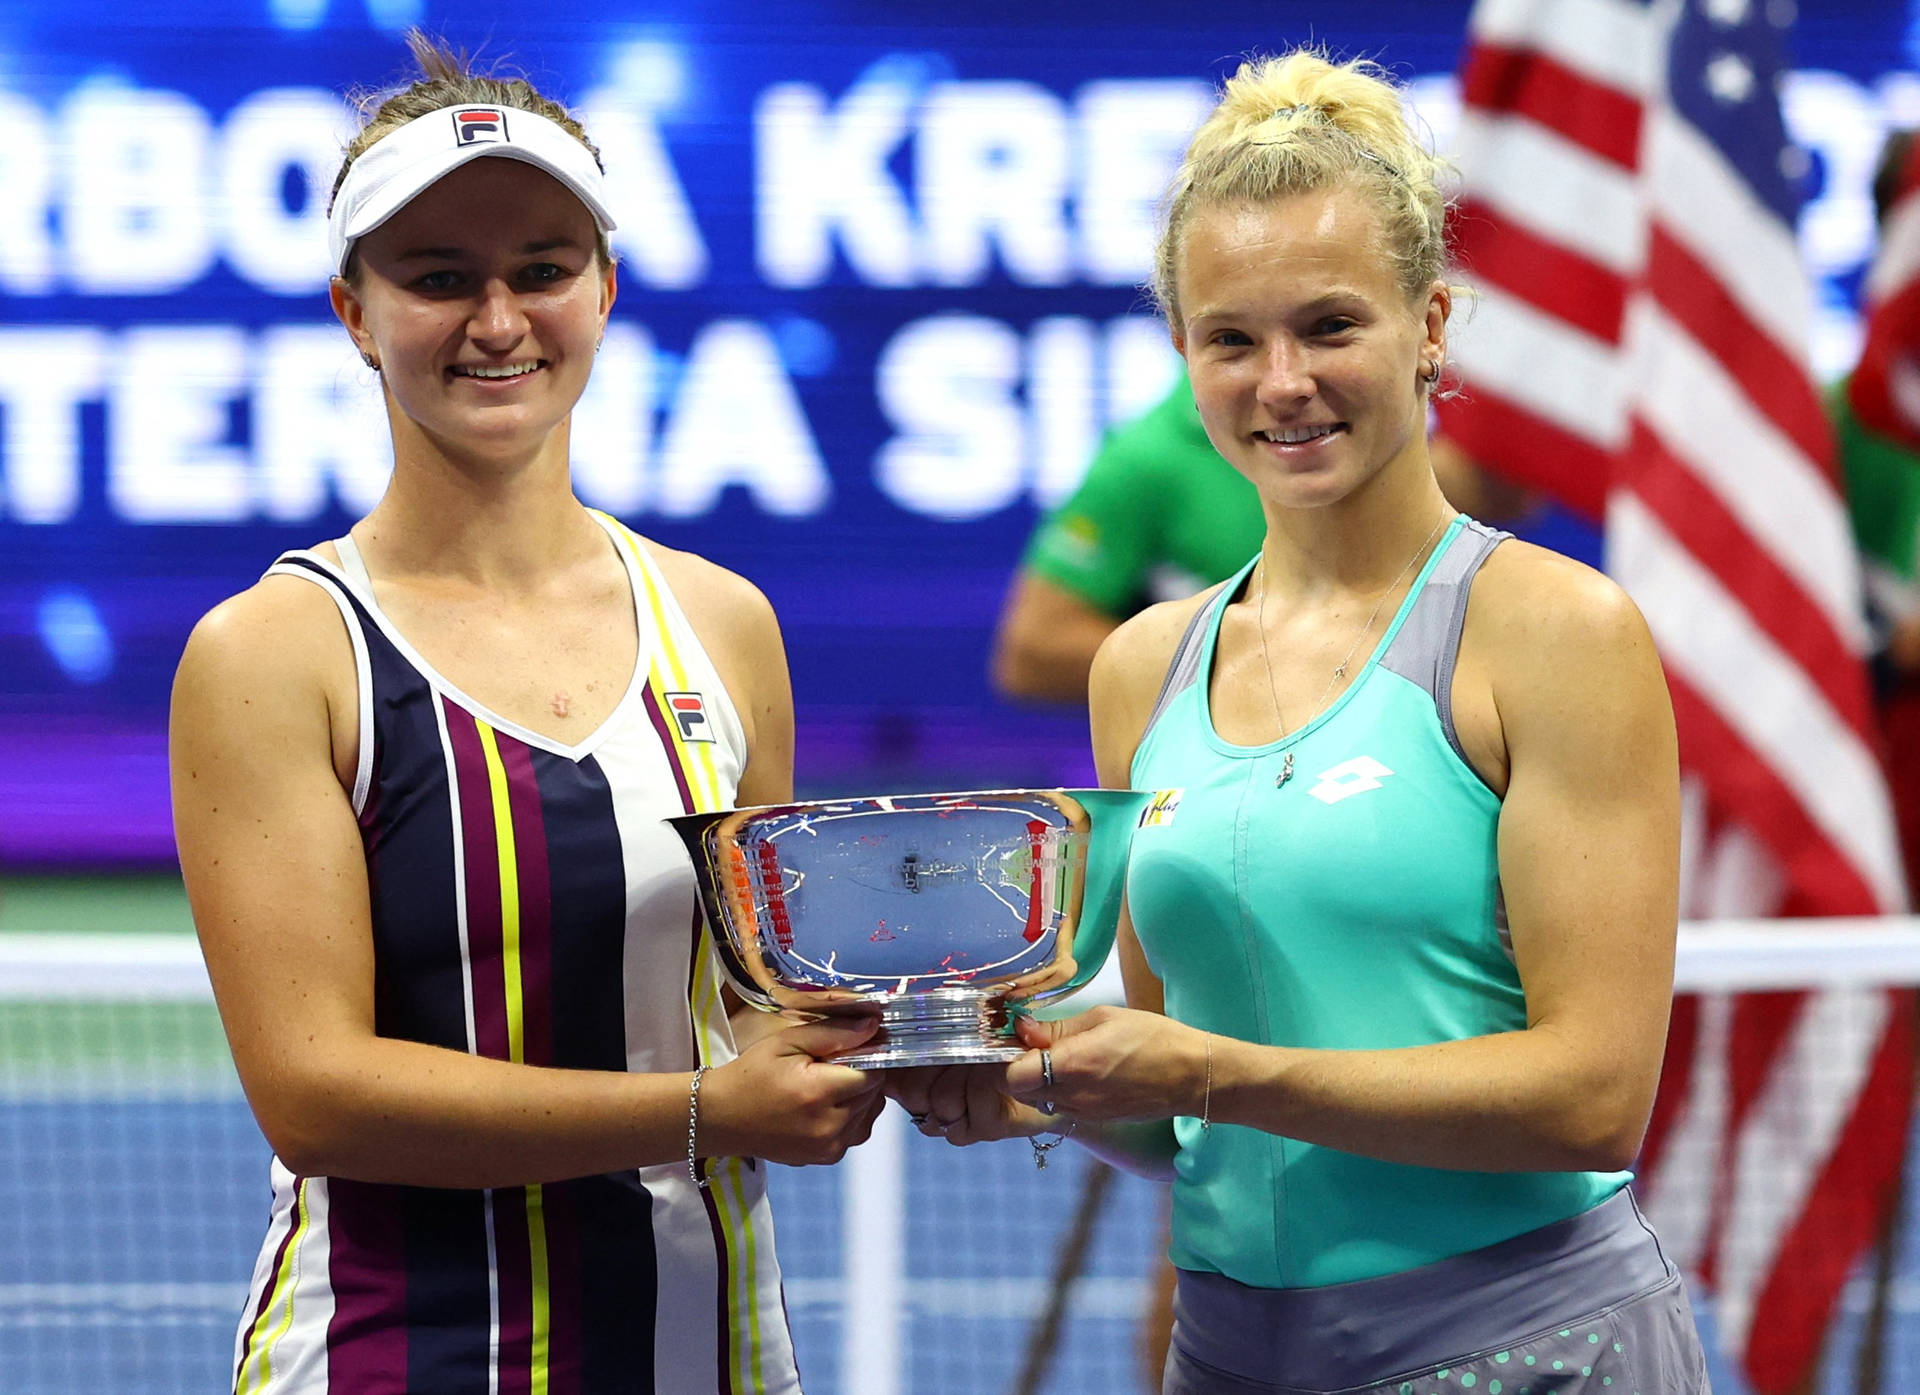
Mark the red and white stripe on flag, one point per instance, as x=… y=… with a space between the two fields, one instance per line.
x=1638 y=352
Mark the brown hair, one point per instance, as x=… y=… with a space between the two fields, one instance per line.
x=1301 y=122
x=448 y=79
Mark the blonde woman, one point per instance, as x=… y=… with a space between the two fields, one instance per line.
x=419 y=773
x=1399 y=971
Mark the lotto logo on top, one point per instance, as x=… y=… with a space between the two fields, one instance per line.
x=480 y=126
x=690 y=715
x=1349 y=778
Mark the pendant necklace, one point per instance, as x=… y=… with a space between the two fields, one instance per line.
x=1340 y=669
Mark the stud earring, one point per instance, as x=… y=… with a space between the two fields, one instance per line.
x=368 y=359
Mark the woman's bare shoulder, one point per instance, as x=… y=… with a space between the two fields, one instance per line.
x=1539 y=605
x=281 y=626
x=712 y=596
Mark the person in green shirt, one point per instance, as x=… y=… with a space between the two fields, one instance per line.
x=1880 y=474
x=1882 y=481
x=1158 y=515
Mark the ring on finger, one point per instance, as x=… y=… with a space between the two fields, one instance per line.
x=918 y=1119
x=1046 y=1068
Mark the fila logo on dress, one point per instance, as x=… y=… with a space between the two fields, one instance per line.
x=690 y=715
x=1349 y=778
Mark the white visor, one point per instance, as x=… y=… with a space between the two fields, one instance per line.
x=398 y=167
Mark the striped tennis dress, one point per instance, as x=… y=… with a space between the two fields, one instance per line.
x=529 y=904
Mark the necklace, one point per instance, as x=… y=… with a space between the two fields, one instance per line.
x=1340 y=669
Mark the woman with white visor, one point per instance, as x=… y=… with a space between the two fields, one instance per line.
x=419 y=777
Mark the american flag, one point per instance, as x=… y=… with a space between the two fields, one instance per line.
x=1639 y=352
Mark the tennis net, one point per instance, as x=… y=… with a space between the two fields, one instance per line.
x=133 y=1193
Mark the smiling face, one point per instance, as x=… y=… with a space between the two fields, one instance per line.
x=482 y=301
x=1305 y=352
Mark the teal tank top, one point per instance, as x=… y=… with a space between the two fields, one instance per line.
x=1355 y=907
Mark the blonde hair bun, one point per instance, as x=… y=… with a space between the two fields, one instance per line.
x=1297 y=122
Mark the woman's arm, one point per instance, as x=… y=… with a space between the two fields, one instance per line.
x=1588 y=855
x=1127 y=672
x=1046 y=641
x=276 y=874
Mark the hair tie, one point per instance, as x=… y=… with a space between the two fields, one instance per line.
x=1367 y=154
x=1359 y=149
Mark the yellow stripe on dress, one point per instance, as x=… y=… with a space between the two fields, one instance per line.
x=262 y=1355
x=704 y=994
x=542 y=1352
x=751 y=1281
x=667 y=673
x=538 y=1277
x=670 y=675
x=736 y=1222
x=509 y=895
x=704 y=997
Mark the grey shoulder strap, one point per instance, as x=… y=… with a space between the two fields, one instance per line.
x=1428 y=645
x=1184 y=671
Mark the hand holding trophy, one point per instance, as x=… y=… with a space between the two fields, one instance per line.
x=953 y=913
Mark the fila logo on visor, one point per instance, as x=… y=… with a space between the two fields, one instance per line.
x=480 y=126
x=690 y=715
x=1349 y=778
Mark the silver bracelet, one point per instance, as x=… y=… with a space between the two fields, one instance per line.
x=693 y=1131
x=1040 y=1150
x=1206 y=1101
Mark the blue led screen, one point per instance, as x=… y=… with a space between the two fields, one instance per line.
x=879 y=300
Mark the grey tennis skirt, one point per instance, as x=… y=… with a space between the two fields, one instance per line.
x=1587 y=1304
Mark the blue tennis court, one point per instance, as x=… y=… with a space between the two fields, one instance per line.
x=128 y=1230
x=128 y=1227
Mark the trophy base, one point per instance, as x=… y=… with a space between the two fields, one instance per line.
x=940 y=1027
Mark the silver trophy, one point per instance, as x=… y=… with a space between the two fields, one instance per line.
x=952 y=912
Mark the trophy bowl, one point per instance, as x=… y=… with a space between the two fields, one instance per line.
x=952 y=913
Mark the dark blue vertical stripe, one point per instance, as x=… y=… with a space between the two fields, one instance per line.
x=612 y=1292
x=448 y=1309
x=617 y=1295
x=587 y=873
